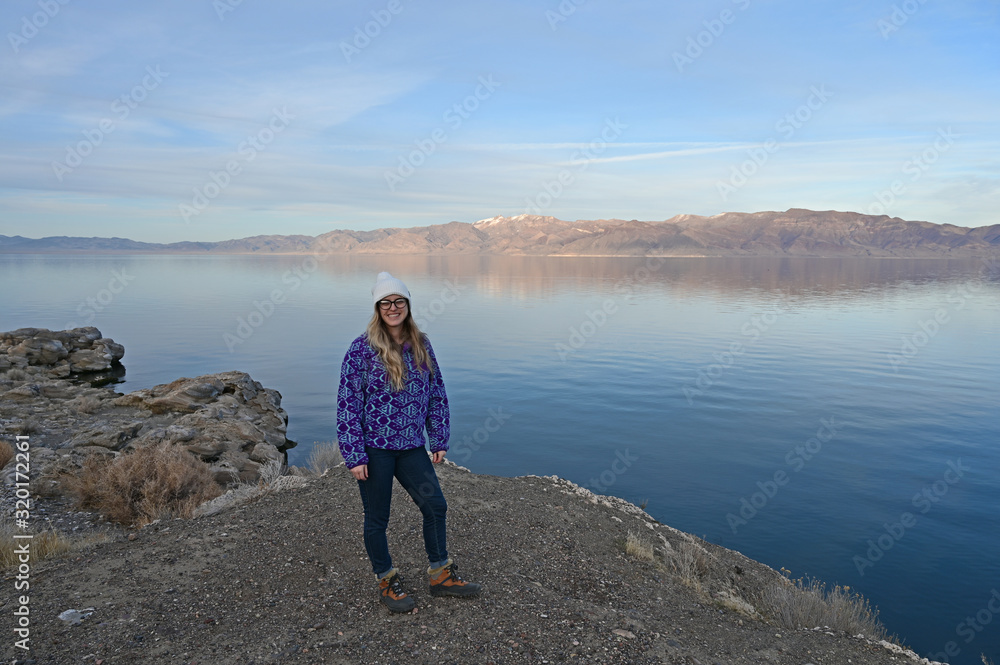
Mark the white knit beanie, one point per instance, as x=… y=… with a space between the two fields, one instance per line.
x=387 y=285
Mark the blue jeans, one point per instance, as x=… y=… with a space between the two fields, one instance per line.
x=415 y=472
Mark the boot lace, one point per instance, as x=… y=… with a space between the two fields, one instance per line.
x=453 y=573
x=395 y=584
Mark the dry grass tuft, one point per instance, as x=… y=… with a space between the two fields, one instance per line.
x=324 y=456
x=689 y=564
x=271 y=480
x=636 y=547
x=236 y=496
x=270 y=472
x=145 y=485
x=26 y=427
x=44 y=545
x=6 y=453
x=732 y=601
x=801 y=604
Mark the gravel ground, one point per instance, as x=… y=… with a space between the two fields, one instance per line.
x=285 y=579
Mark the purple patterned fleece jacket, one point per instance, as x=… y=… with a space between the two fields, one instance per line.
x=370 y=413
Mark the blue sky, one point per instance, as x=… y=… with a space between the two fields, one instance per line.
x=215 y=119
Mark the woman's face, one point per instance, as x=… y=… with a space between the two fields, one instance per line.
x=396 y=312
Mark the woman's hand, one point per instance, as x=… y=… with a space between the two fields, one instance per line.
x=438 y=457
x=360 y=472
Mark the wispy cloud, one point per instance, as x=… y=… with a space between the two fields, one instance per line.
x=355 y=119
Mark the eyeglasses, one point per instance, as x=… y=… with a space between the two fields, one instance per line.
x=398 y=303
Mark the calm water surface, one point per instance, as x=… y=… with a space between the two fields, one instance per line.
x=835 y=417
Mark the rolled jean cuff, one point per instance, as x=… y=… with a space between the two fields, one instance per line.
x=440 y=564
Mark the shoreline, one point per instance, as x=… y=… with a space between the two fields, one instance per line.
x=646 y=585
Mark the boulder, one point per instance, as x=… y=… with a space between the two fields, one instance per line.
x=102 y=355
x=228 y=420
x=83 y=349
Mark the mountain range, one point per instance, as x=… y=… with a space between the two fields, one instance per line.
x=795 y=232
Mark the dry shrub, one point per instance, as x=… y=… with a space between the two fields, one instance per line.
x=801 y=604
x=636 y=547
x=324 y=456
x=145 y=485
x=6 y=453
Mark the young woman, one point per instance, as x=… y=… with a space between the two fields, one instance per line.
x=391 y=390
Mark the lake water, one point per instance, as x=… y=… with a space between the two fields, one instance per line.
x=834 y=417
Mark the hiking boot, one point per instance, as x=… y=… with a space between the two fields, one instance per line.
x=392 y=595
x=446 y=582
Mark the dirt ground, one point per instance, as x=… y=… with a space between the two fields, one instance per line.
x=285 y=579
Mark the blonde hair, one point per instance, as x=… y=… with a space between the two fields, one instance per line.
x=391 y=353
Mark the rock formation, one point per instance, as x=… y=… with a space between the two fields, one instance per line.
x=51 y=388
x=58 y=354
